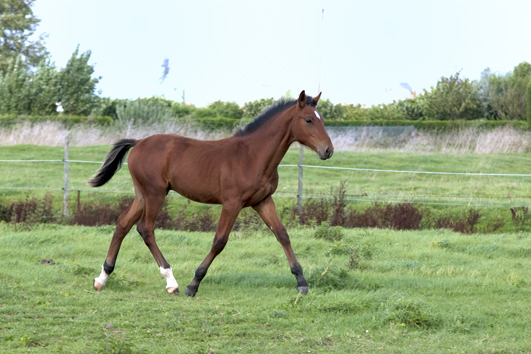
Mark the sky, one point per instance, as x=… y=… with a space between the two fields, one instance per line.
x=355 y=52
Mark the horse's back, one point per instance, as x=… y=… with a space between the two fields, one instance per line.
x=188 y=166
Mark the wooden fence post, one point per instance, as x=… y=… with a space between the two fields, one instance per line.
x=65 y=199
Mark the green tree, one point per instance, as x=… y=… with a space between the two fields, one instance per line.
x=17 y=25
x=77 y=85
x=452 y=98
x=504 y=96
x=330 y=111
x=252 y=109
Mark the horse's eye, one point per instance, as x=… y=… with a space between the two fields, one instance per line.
x=308 y=120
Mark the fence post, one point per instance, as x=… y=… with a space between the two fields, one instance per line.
x=65 y=200
x=299 y=193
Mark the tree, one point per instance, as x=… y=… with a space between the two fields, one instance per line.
x=504 y=96
x=17 y=25
x=77 y=85
x=452 y=98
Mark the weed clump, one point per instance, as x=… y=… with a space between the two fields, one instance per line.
x=328 y=278
x=407 y=312
x=329 y=233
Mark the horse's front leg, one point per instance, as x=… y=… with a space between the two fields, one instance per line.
x=267 y=211
x=229 y=213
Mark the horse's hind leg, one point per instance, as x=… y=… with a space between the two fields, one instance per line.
x=145 y=227
x=125 y=221
x=267 y=211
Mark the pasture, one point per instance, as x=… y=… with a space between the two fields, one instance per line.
x=385 y=291
x=440 y=194
x=373 y=291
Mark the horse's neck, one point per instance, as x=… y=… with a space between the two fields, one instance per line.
x=271 y=141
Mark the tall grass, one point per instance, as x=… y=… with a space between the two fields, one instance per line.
x=54 y=133
x=469 y=140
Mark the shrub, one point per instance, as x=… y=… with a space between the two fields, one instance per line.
x=329 y=233
x=401 y=216
x=465 y=223
x=452 y=98
x=29 y=211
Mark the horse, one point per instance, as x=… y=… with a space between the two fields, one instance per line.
x=237 y=172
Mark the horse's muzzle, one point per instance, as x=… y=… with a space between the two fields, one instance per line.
x=326 y=154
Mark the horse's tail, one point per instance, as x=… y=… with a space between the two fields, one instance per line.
x=113 y=162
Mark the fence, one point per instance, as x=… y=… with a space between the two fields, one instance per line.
x=66 y=162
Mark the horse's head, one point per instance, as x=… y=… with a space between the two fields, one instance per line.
x=308 y=127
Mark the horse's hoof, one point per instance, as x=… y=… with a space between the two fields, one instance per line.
x=189 y=292
x=303 y=290
x=172 y=290
x=97 y=286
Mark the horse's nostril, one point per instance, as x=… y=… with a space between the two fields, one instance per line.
x=327 y=152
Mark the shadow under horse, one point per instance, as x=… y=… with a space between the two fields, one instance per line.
x=236 y=172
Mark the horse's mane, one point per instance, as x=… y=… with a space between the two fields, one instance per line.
x=268 y=113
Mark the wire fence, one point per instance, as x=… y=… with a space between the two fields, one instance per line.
x=66 y=161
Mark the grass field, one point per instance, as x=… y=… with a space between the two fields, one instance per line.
x=494 y=195
x=375 y=291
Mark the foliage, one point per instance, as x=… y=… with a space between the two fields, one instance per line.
x=37 y=92
x=77 y=84
x=220 y=109
x=252 y=109
x=355 y=113
x=528 y=101
x=17 y=25
x=329 y=233
x=504 y=96
x=390 y=112
x=330 y=111
x=144 y=111
x=452 y=98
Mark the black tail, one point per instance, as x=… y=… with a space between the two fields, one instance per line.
x=113 y=162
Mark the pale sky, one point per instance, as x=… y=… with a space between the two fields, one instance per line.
x=358 y=52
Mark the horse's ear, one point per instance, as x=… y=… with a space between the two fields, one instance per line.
x=302 y=99
x=316 y=99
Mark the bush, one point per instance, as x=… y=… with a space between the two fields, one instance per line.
x=452 y=98
x=329 y=233
x=29 y=211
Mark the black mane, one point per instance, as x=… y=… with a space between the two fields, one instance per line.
x=268 y=113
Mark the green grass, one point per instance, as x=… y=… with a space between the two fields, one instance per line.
x=450 y=194
x=374 y=291
x=362 y=184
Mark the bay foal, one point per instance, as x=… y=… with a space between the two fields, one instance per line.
x=236 y=172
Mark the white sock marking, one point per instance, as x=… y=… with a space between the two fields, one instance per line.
x=102 y=278
x=170 y=280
